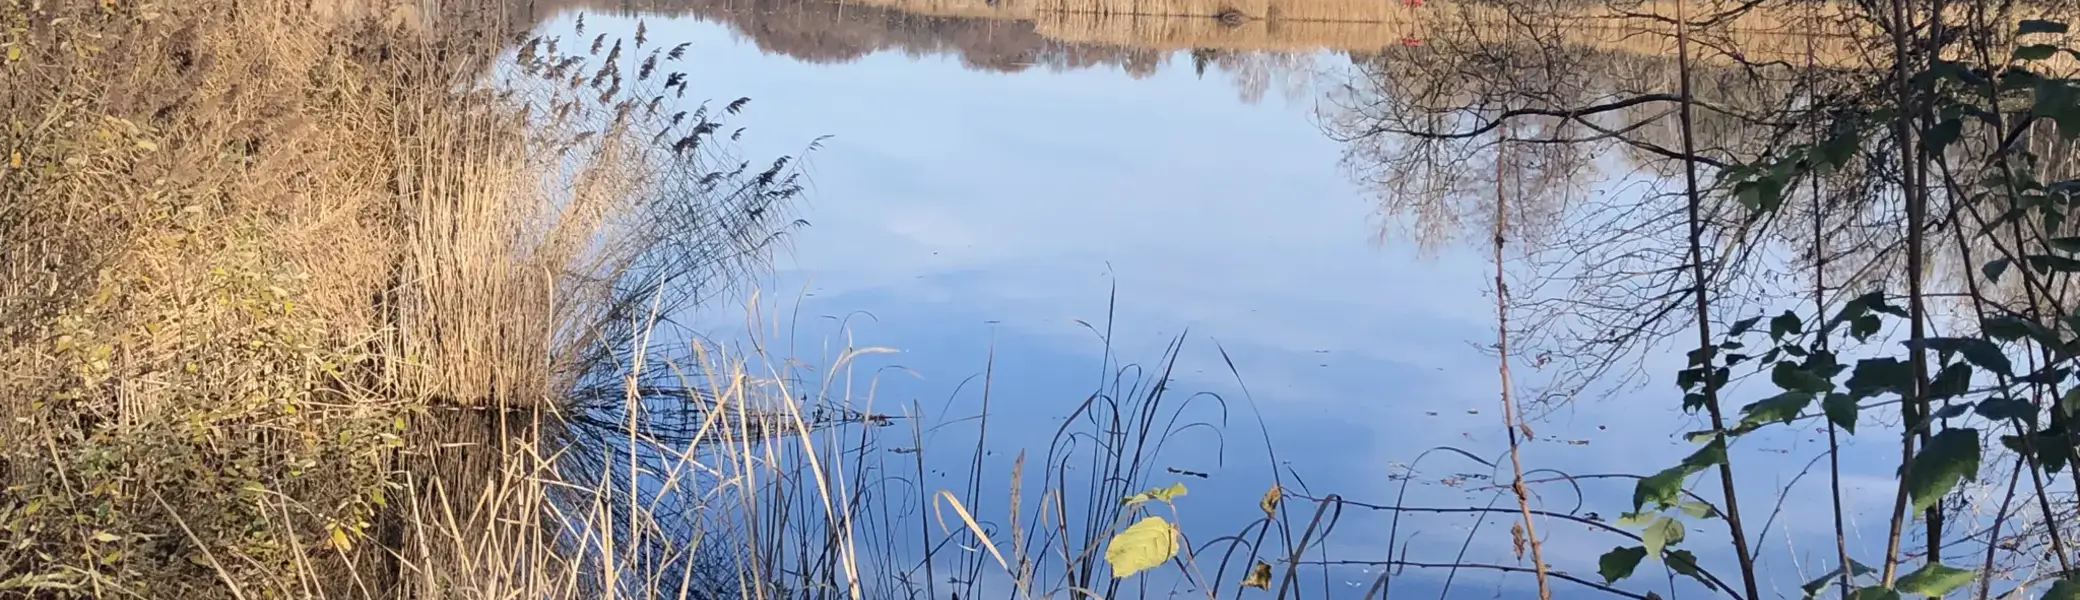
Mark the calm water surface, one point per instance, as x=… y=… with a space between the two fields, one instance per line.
x=989 y=196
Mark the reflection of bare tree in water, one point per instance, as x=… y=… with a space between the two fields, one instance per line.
x=1255 y=72
x=1594 y=143
x=1820 y=184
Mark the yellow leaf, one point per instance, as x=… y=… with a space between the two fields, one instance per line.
x=14 y=54
x=14 y=161
x=147 y=145
x=103 y=536
x=1259 y=576
x=1169 y=493
x=339 y=539
x=1141 y=547
x=1270 y=501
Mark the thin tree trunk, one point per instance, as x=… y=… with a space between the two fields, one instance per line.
x=1704 y=323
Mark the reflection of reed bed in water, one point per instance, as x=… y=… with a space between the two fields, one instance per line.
x=831 y=32
x=1173 y=33
x=680 y=415
x=1766 y=33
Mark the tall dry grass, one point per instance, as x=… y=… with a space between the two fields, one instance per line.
x=291 y=291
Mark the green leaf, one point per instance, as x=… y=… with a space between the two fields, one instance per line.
x=1742 y=326
x=1950 y=457
x=1954 y=380
x=1663 y=532
x=1980 y=352
x=1619 y=563
x=1659 y=489
x=2046 y=448
x=1662 y=489
x=1933 y=580
x=2010 y=328
x=1817 y=585
x=1878 y=375
x=2035 y=52
x=1941 y=135
x=1876 y=301
x=2005 y=409
x=1821 y=583
x=2049 y=263
x=1689 y=378
x=1876 y=592
x=2029 y=26
x=2063 y=589
x=1141 y=547
x=1994 y=269
x=1790 y=377
x=2045 y=376
x=1864 y=327
x=1692 y=401
x=1785 y=324
x=1712 y=454
x=1841 y=410
x=1697 y=509
x=1762 y=194
x=1683 y=562
x=1748 y=195
x=1259 y=576
x=1987 y=356
x=1781 y=408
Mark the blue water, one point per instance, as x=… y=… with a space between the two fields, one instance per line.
x=978 y=220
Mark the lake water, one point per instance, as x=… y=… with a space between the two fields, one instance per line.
x=993 y=196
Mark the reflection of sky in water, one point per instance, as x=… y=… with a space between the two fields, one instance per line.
x=959 y=214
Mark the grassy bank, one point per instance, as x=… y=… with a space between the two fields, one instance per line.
x=293 y=293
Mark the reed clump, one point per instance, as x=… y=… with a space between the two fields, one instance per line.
x=267 y=268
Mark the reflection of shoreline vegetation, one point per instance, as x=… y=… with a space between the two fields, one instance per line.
x=1932 y=175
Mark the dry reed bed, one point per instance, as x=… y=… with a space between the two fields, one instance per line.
x=258 y=253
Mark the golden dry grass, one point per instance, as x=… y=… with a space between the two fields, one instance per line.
x=271 y=266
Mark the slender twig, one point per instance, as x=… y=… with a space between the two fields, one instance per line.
x=1903 y=135
x=1509 y=407
x=1834 y=446
x=1917 y=257
x=1993 y=535
x=1704 y=322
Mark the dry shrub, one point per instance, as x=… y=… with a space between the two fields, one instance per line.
x=254 y=253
